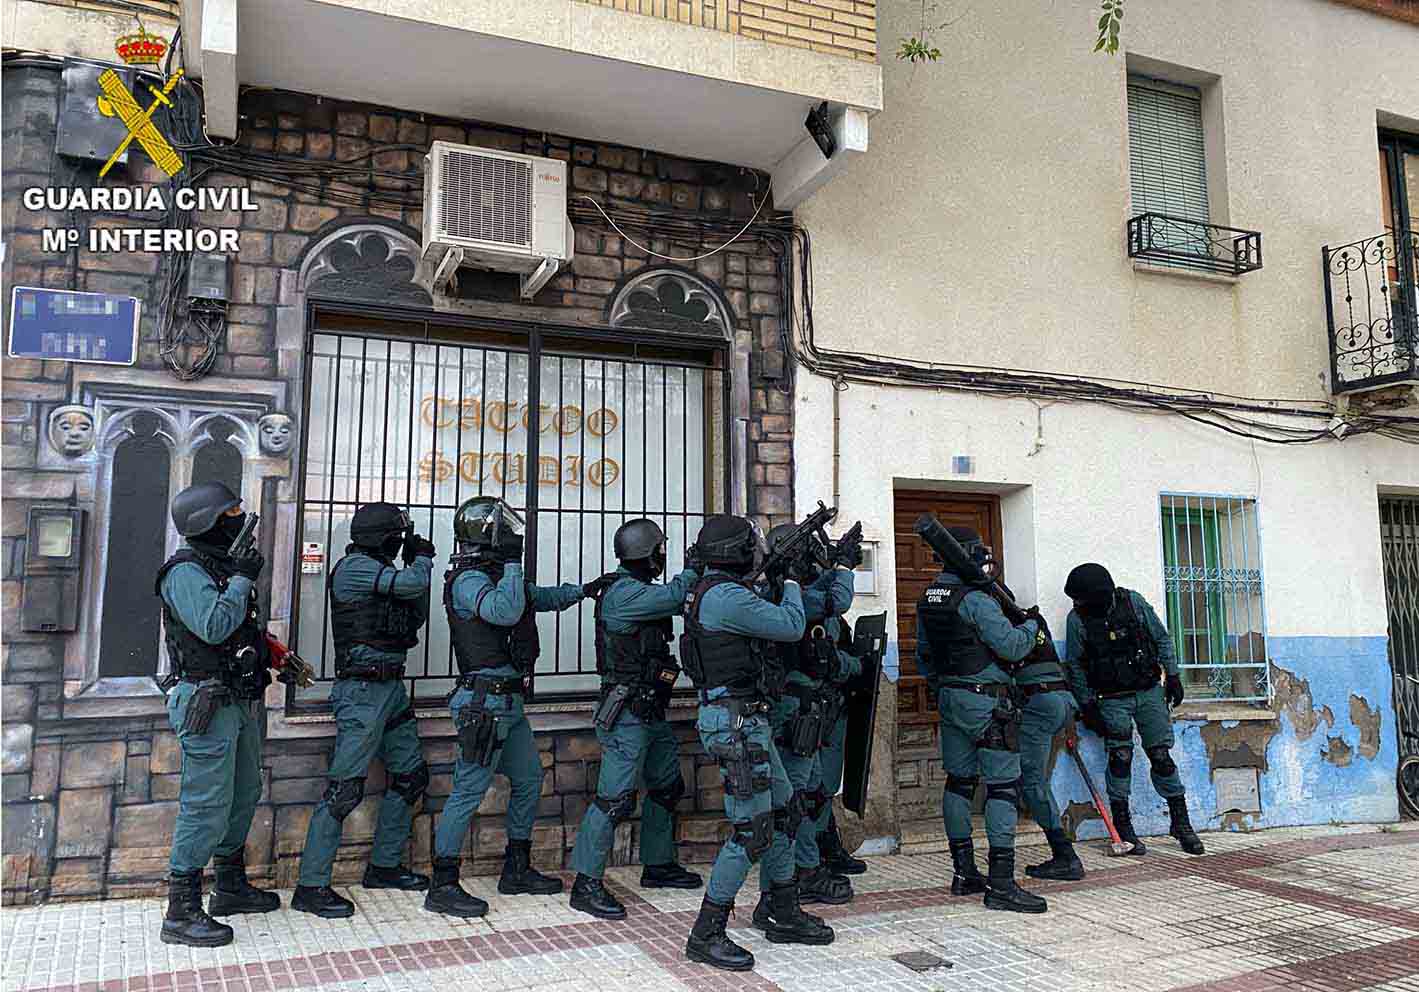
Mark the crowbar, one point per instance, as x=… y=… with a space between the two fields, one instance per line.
x=1117 y=848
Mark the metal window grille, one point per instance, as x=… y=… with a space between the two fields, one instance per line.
x=1399 y=544
x=1213 y=580
x=428 y=424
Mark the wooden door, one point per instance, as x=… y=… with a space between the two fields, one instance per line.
x=916 y=568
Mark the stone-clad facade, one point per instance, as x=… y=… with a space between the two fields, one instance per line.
x=91 y=769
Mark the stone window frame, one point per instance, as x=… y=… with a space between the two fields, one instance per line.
x=183 y=414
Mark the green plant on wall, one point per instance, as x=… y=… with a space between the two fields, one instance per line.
x=918 y=47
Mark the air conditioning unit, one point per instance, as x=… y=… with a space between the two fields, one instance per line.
x=496 y=210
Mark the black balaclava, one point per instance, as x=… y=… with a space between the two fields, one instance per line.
x=1091 y=587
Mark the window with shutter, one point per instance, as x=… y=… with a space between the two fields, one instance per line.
x=1167 y=159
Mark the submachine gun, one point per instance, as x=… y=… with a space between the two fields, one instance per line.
x=955 y=558
x=798 y=544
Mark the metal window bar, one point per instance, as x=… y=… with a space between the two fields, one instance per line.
x=1399 y=545
x=1192 y=244
x=1215 y=607
x=1372 y=310
x=394 y=449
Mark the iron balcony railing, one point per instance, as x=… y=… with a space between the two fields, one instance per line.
x=1163 y=239
x=1372 y=310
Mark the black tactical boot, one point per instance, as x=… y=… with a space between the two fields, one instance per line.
x=788 y=924
x=590 y=895
x=1181 y=827
x=1064 y=866
x=185 y=922
x=764 y=912
x=322 y=900
x=1123 y=823
x=669 y=876
x=398 y=877
x=446 y=896
x=519 y=877
x=233 y=893
x=967 y=880
x=1003 y=892
x=708 y=943
x=834 y=855
x=820 y=885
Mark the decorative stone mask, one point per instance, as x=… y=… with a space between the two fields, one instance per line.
x=71 y=430
x=276 y=432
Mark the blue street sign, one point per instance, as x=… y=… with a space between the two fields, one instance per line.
x=66 y=326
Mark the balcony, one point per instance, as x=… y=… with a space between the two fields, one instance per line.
x=1160 y=239
x=721 y=80
x=1372 y=311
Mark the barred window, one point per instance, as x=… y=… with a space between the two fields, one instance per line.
x=1213 y=579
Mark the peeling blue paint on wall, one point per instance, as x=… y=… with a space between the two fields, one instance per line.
x=1299 y=785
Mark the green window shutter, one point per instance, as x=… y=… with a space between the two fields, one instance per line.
x=1166 y=156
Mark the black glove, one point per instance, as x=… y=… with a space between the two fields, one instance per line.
x=417 y=546
x=1174 y=691
x=249 y=564
x=848 y=553
x=1093 y=717
x=594 y=588
x=1033 y=613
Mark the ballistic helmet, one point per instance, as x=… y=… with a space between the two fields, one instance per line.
x=486 y=523
x=1091 y=585
x=197 y=509
x=641 y=540
x=729 y=541
x=376 y=525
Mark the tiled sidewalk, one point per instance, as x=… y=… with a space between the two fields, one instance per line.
x=1311 y=909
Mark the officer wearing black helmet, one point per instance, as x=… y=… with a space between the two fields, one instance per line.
x=492 y=620
x=219 y=652
x=376 y=612
x=633 y=633
x=726 y=652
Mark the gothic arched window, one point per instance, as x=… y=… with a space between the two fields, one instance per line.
x=138 y=518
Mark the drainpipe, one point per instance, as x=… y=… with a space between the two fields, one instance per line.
x=838 y=386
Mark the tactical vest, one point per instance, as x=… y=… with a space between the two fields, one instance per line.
x=243 y=671
x=382 y=622
x=631 y=658
x=955 y=646
x=479 y=645
x=1119 y=653
x=812 y=655
x=722 y=660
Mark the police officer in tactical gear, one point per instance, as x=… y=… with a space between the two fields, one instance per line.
x=219 y=653
x=1046 y=705
x=376 y=612
x=965 y=646
x=1116 y=648
x=726 y=652
x=492 y=619
x=807 y=711
x=633 y=633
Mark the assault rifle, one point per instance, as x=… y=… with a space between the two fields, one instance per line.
x=246 y=537
x=798 y=543
x=955 y=558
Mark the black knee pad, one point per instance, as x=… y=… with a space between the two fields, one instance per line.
x=1121 y=761
x=619 y=808
x=790 y=818
x=1006 y=792
x=1162 y=761
x=814 y=802
x=755 y=834
x=963 y=787
x=343 y=795
x=409 y=786
x=669 y=795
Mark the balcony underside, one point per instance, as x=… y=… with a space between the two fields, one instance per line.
x=612 y=77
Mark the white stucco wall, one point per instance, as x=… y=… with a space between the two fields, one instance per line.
x=985 y=225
